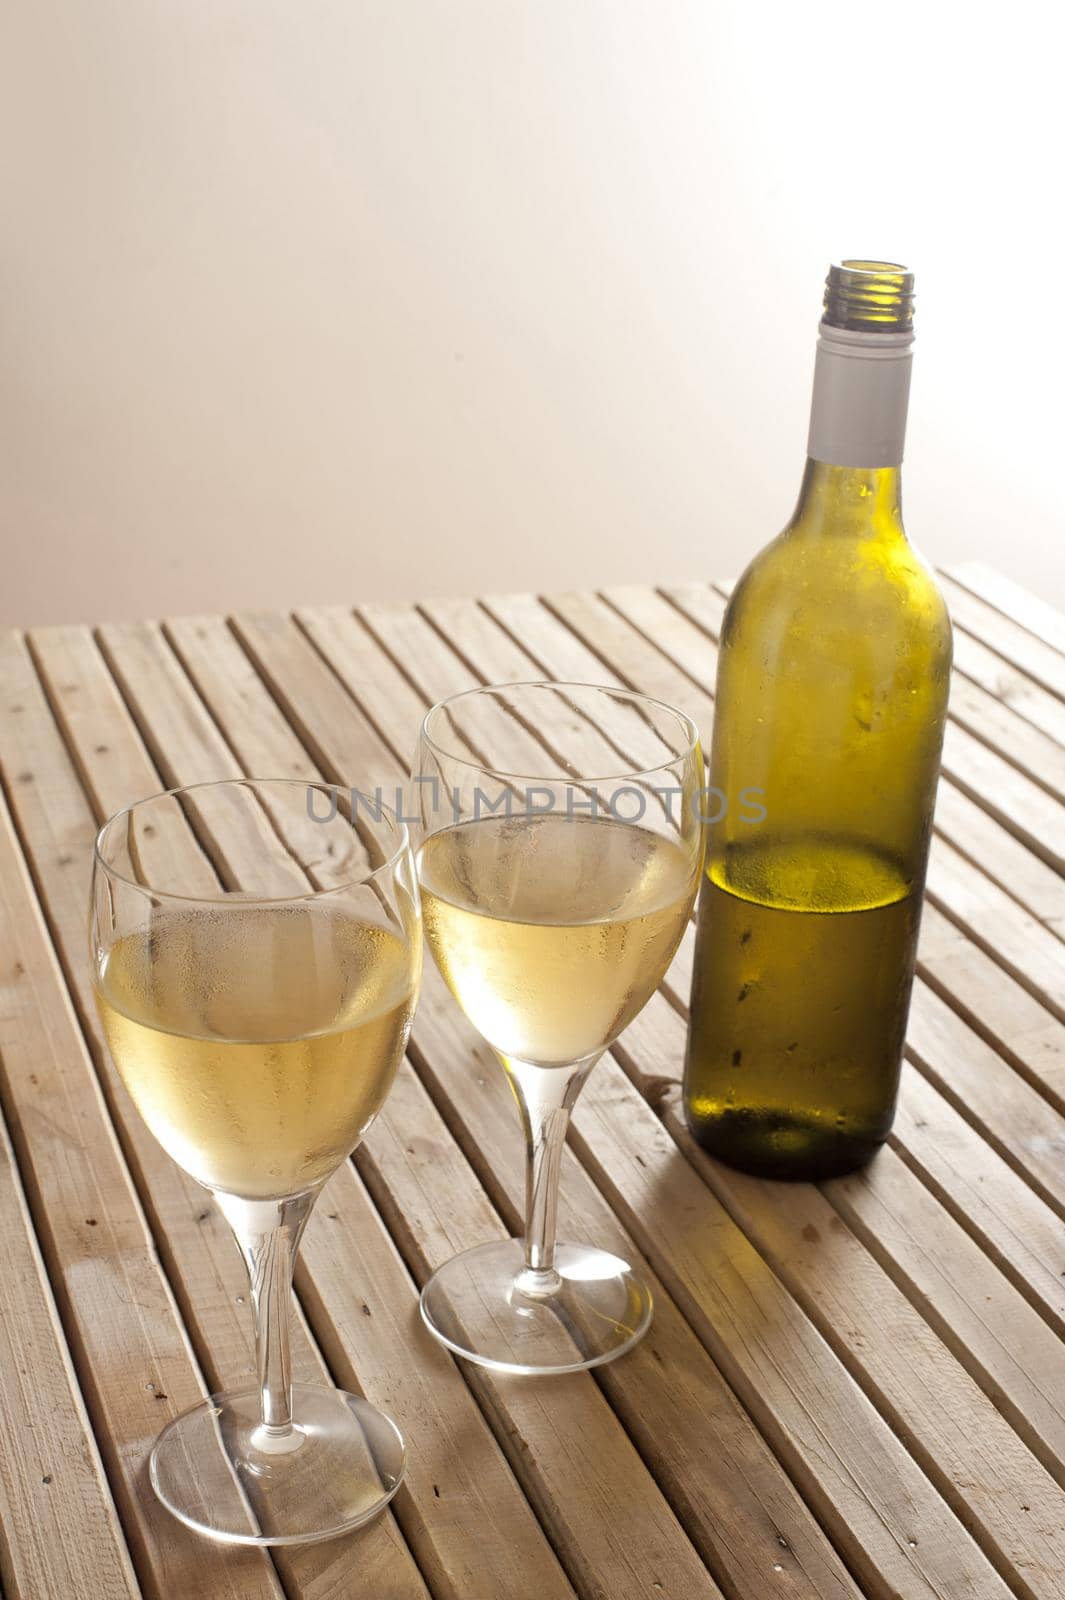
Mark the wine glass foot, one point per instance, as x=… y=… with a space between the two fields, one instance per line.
x=221 y=1473
x=483 y=1306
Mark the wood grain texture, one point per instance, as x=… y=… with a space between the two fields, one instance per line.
x=60 y=1531
x=1041 y=662
x=1012 y=600
x=851 y=1390
x=1019 y=693
x=952 y=1428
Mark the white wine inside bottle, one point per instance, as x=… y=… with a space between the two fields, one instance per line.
x=804 y=989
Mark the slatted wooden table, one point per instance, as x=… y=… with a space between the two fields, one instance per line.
x=854 y=1389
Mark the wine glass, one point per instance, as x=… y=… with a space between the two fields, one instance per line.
x=560 y=852
x=256 y=954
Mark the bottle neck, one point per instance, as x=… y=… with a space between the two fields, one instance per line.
x=849 y=503
x=861 y=393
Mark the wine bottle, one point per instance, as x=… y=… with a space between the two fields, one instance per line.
x=832 y=685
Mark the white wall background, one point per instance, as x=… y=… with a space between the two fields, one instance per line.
x=331 y=299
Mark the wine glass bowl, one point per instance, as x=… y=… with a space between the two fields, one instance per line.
x=256 y=950
x=560 y=853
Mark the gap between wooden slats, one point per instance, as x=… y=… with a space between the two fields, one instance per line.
x=59 y=1530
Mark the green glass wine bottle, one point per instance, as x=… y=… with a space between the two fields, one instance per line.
x=832 y=684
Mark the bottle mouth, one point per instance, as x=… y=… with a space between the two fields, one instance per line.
x=869 y=297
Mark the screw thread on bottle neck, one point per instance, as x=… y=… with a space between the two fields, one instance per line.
x=869 y=297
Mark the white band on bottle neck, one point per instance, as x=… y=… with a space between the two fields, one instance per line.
x=861 y=391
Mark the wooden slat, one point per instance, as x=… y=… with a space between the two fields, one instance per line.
x=984 y=1194
x=420 y=1385
x=1018 y=1360
x=1019 y=804
x=59 y=1532
x=86 y=704
x=556 y=649
x=1014 y=643
x=188 y=749
x=634 y=659
x=994 y=1005
x=980 y=839
x=1008 y=684
x=460 y=620
x=1027 y=950
x=1014 y=1119
x=995 y=723
x=1032 y=612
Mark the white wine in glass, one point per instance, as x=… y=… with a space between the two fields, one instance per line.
x=258 y=1047
x=554 y=900
x=550 y=931
x=258 y=1029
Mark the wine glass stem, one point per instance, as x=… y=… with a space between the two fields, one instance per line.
x=268 y=1233
x=546 y=1096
